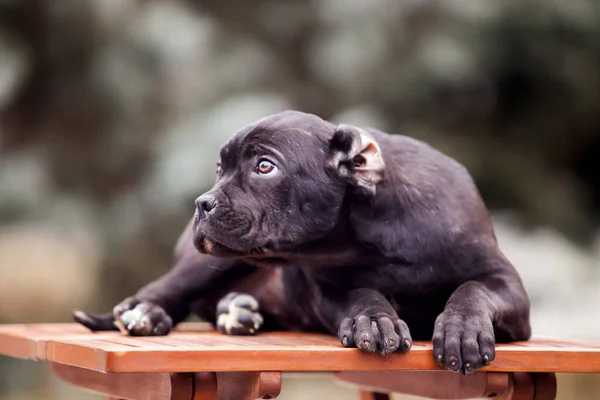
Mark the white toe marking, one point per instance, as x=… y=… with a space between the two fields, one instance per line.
x=119 y=324
x=130 y=318
x=230 y=320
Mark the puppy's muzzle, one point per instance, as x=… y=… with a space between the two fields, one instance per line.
x=205 y=204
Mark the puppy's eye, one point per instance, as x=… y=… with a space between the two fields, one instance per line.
x=265 y=167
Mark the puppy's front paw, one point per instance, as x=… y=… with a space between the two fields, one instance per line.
x=140 y=318
x=237 y=314
x=380 y=333
x=463 y=343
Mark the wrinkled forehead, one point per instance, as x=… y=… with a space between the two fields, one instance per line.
x=289 y=133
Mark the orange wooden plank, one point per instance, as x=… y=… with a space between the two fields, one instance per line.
x=29 y=340
x=285 y=351
x=188 y=351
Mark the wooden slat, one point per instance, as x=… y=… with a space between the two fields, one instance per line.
x=29 y=340
x=187 y=351
x=211 y=351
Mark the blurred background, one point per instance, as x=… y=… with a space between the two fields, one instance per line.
x=112 y=112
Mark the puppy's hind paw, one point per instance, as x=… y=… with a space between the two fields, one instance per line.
x=237 y=314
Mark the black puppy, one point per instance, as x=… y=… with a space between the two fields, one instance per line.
x=339 y=229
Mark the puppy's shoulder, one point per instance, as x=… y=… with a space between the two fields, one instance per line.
x=427 y=198
x=417 y=163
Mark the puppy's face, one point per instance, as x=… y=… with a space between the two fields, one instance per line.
x=277 y=187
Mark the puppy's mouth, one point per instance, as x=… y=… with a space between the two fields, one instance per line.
x=206 y=245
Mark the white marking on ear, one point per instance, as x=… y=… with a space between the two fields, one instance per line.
x=363 y=164
x=369 y=154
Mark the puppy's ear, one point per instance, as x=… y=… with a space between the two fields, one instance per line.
x=356 y=156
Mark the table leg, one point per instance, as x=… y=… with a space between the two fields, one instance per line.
x=205 y=386
x=248 y=385
x=532 y=386
x=545 y=386
x=365 y=395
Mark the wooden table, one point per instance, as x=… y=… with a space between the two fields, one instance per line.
x=197 y=363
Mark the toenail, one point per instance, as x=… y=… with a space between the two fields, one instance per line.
x=391 y=342
x=345 y=341
x=468 y=365
x=407 y=342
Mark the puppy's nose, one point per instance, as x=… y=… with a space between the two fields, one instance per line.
x=204 y=204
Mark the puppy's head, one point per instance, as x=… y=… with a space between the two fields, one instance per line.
x=281 y=183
